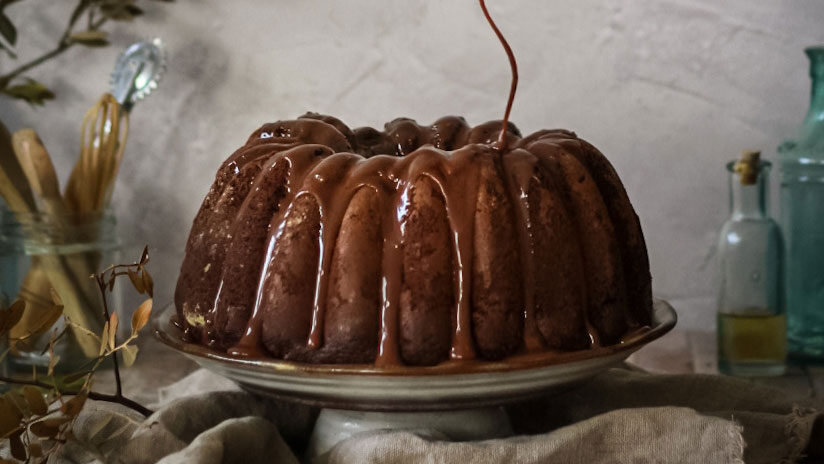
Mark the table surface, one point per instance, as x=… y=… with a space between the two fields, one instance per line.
x=684 y=350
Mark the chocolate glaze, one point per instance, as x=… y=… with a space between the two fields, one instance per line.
x=249 y=284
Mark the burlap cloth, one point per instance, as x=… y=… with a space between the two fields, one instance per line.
x=621 y=416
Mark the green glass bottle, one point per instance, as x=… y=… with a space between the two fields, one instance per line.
x=802 y=219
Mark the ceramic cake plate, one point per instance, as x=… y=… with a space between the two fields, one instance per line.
x=443 y=387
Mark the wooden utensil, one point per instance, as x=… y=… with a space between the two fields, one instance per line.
x=13 y=186
x=39 y=170
x=51 y=270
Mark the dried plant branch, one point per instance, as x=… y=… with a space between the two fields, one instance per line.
x=116 y=398
x=101 y=284
x=37 y=424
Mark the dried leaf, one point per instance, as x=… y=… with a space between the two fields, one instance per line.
x=112 y=330
x=104 y=339
x=111 y=284
x=44 y=430
x=56 y=297
x=141 y=316
x=137 y=281
x=35 y=450
x=144 y=256
x=18 y=451
x=16 y=400
x=98 y=426
x=32 y=92
x=83 y=330
x=9 y=417
x=35 y=400
x=55 y=421
x=7 y=29
x=90 y=38
x=53 y=360
x=11 y=316
x=121 y=430
x=56 y=335
x=129 y=354
x=73 y=407
x=148 y=282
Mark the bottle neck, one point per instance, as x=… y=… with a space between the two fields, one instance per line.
x=815 y=115
x=749 y=201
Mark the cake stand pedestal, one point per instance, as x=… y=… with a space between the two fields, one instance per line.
x=336 y=425
x=460 y=400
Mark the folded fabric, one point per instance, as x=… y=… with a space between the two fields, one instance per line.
x=619 y=416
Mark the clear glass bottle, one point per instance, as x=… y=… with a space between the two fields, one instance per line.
x=751 y=318
x=802 y=220
x=41 y=252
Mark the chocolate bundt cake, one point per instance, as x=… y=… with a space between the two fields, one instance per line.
x=412 y=246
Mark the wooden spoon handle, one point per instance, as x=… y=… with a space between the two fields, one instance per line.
x=38 y=168
x=13 y=185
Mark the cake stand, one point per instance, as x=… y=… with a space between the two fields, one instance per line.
x=462 y=401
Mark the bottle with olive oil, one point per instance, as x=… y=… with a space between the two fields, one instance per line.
x=752 y=327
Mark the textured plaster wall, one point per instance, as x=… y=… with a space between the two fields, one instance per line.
x=668 y=89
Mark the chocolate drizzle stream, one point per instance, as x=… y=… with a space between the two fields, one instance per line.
x=512 y=64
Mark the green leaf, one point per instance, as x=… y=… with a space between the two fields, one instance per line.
x=32 y=92
x=72 y=378
x=7 y=29
x=90 y=38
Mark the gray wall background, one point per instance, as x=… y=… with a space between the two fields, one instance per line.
x=668 y=89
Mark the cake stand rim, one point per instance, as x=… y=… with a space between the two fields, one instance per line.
x=664 y=319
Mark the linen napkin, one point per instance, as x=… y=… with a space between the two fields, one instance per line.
x=620 y=416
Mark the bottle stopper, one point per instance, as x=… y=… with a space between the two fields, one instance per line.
x=747 y=166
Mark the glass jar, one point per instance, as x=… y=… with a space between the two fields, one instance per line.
x=802 y=219
x=42 y=256
x=751 y=320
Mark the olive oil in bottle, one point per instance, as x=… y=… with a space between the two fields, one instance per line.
x=752 y=342
x=752 y=327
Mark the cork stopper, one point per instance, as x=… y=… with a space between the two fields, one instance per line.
x=747 y=166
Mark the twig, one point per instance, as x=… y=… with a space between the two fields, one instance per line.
x=102 y=285
x=64 y=44
x=119 y=399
